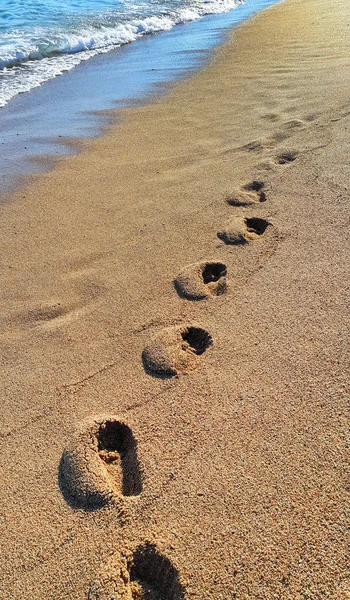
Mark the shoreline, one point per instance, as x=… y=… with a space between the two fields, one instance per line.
x=242 y=455
x=74 y=105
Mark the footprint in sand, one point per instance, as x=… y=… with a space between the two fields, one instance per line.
x=176 y=350
x=287 y=156
x=241 y=230
x=253 y=146
x=294 y=124
x=202 y=280
x=100 y=464
x=46 y=313
x=267 y=143
x=145 y=575
x=75 y=302
x=251 y=193
x=47 y=316
x=284 y=132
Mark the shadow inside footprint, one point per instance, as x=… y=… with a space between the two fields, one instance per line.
x=99 y=464
x=213 y=272
x=256 y=225
x=198 y=339
x=117 y=443
x=152 y=576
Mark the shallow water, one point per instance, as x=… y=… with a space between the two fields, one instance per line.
x=38 y=123
x=39 y=40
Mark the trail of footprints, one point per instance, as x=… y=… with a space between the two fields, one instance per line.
x=100 y=464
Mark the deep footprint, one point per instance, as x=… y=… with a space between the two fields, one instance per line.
x=152 y=576
x=175 y=350
x=256 y=225
x=202 y=280
x=100 y=464
x=240 y=230
x=145 y=575
x=286 y=157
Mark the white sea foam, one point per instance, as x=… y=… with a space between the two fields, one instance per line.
x=29 y=59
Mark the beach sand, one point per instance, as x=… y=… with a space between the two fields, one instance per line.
x=187 y=439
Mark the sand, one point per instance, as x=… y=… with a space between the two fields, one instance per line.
x=225 y=477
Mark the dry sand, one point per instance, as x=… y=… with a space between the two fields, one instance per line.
x=234 y=469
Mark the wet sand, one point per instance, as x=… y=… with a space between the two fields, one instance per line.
x=202 y=421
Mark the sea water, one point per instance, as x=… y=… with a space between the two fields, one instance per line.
x=40 y=39
x=169 y=41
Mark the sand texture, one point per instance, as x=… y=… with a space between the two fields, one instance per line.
x=173 y=404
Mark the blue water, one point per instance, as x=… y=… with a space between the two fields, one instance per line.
x=41 y=39
x=41 y=123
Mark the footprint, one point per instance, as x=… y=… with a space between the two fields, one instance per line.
x=175 y=350
x=43 y=316
x=277 y=138
x=286 y=157
x=100 y=464
x=253 y=146
x=240 y=230
x=46 y=313
x=311 y=117
x=294 y=124
x=267 y=165
x=152 y=576
x=145 y=575
x=267 y=143
x=251 y=193
x=48 y=316
x=202 y=280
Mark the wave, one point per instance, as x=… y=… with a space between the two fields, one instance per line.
x=27 y=59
